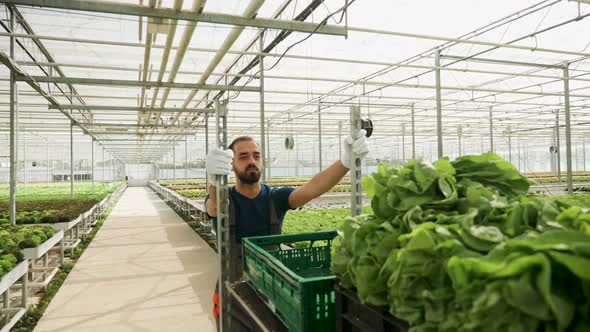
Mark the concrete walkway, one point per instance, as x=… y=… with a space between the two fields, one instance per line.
x=146 y=270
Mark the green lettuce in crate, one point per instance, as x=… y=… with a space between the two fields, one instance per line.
x=535 y=281
x=418 y=286
x=491 y=170
x=363 y=245
x=440 y=231
x=394 y=190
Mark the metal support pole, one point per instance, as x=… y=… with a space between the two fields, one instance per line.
x=297 y=157
x=584 y=154
x=92 y=161
x=481 y=149
x=186 y=160
x=206 y=143
x=459 y=137
x=356 y=170
x=224 y=245
x=413 y=134
x=438 y=104
x=491 y=131
x=519 y=155
x=568 y=130
x=320 y=135
x=72 y=160
x=47 y=161
x=558 y=141
x=525 y=160
x=403 y=142
x=206 y=134
x=13 y=143
x=339 y=140
x=265 y=163
x=174 y=162
x=268 y=150
x=103 y=166
x=509 y=145
x=25 y=159
x=313 y=154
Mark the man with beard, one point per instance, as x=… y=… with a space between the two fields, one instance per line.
x=258 y=209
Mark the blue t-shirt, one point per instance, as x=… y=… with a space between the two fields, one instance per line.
x=253 y=215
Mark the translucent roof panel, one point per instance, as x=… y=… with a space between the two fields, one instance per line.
x=140 y=80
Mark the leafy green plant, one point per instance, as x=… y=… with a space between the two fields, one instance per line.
x=15 y=236
x=193 y=193
x=553 y=179
x=435 y=227
x=60 y=191
x=7 y=263
x=47 y=212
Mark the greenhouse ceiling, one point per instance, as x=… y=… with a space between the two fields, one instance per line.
x=140 y=76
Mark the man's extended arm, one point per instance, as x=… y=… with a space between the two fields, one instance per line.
x=328 y=178
x=319 y=184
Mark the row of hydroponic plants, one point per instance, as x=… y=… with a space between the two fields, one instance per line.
x=51 y=208
x=460 y=246
x=197 y=189
x=39 y=220
x=42 y=204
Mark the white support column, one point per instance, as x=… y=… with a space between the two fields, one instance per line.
x=186 y=160
x=265 y=163
x=568 y=130
x=413 y=134
x=103 y=165
x=268 y=150
x=509 y=132
x=25 y=159
x=438 y=105
x=71 y=160
x=491 y=131
x=206 y=143
x=224 y=245
x=584 y=154
x=320 y=136
x=13 y=129
x=519 y=154
x=339 y=140
x=92 y=162
x=459 y=137
x=356 y=169
x=403 y=143
x=297 y=156
x=174 y=162
x=47 y=161
x=558 y=142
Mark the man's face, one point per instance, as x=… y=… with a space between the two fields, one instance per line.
x=247 y=162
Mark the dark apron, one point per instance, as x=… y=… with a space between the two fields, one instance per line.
x=240 y=320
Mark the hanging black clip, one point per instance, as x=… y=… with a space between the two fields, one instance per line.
x=368 y=126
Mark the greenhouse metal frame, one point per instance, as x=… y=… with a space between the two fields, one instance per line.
x=507 y=87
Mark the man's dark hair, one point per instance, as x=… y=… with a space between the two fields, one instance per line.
x=240 y=139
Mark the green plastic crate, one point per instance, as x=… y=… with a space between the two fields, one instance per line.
x=297 y=282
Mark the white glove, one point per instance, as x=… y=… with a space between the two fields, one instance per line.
x=218 y=162
x=356 y=146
